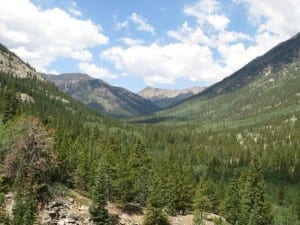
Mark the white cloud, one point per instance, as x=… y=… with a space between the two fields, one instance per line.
x=207 y=50
x=165 y=63
x=208 y=12
x=138 y=20
x=191 y=56
x=95 y=71
x=131 y=42
x=190 y=35
x=280 y=18
x=121 y=25
x=141 y=23
x=40 y=36
x=74 y=10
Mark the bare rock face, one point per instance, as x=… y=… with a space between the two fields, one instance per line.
x=11 y=63
x=65 y=212
x=166 y=98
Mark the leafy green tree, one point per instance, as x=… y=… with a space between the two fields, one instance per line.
x=99 y=213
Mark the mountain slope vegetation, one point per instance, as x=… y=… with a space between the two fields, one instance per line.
x=115 y=101
x=266 y=88
x=196 y=163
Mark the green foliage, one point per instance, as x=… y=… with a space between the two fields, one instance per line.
x=24 y=209
x=202 y=202
x=224 y=136
x=246 y=201
x=297 y=205
x=139 y=166
x=99 y=213
x=155 y=216
x=232 y=203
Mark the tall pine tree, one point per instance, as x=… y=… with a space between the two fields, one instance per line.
x=99 y=213
x=255 y=208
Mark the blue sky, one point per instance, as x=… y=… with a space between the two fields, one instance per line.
x=132 y=43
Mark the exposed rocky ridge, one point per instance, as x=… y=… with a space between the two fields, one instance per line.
x=115 y=101
x=11 y=63
x=66 y=78
x=166 y=98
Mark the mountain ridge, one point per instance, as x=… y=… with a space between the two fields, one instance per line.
x=112 y=100
x=14 y=65
x=265 y=88
x=272 y=59
x=166 y=98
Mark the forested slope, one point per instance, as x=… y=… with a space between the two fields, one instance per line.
x=48 y=138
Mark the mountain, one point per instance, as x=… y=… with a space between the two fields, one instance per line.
x=11 y=63
x=54 y=143
x=115 y=101
x=165 y=98
x=271 y=62
x=266 y=88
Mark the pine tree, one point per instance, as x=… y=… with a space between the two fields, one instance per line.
x=139 y=165
x=280 y=195
x=232 y=203
x=202 y=203
x=25 y=202
x=99 y=213
x=10 y=103
x=255 y=209
x=157 y=200
x=297 y=204
x=4 y=219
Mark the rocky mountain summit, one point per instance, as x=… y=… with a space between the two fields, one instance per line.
x=166 y=98
x=96 y=93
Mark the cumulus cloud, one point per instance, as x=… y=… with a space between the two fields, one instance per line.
x=40 y=36
x=95 y=71
x=207 y=50
x=165 y=63
x=191 y=55
x=208 y=11
x=141 y=23
x=279 y=18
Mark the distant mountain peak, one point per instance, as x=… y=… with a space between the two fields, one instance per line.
x=166 y=98
x=102 y=96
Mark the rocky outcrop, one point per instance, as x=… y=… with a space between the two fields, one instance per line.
x=11 y=63
x=165 y=98
x=75 y=211
x=64 y=212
